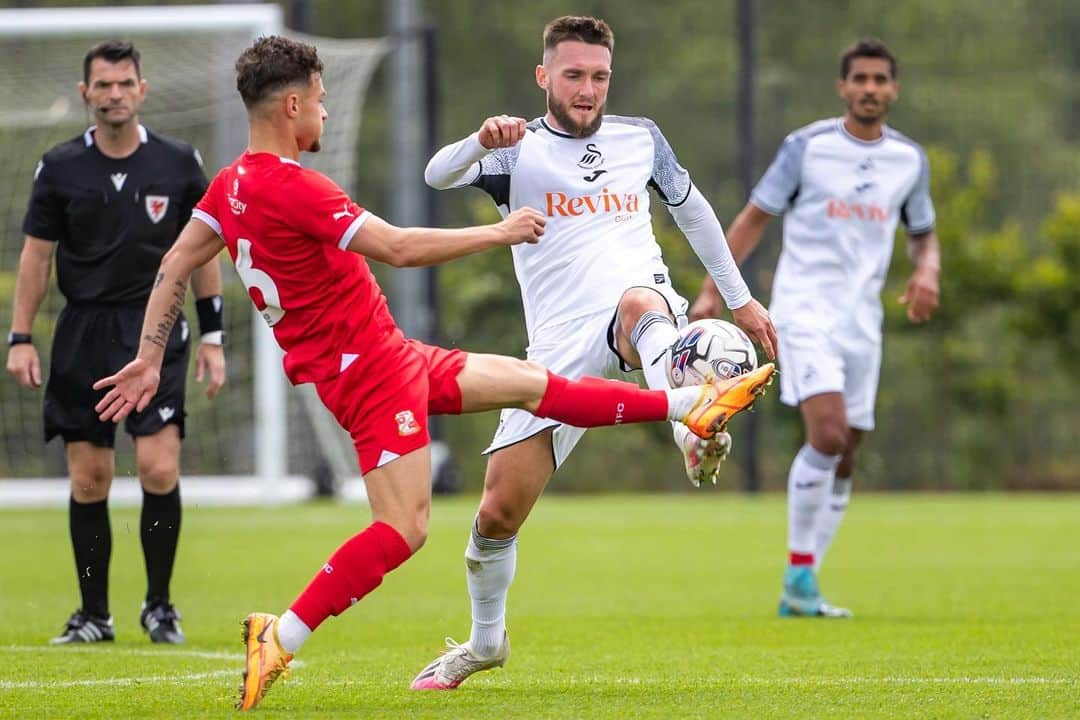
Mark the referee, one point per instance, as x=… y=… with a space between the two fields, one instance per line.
x=110 y=202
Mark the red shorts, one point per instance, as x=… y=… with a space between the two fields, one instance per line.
x=384 y=403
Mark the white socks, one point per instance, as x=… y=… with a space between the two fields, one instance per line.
x=680 y=402
x=653 y=335
x=291 y=632
x=809 y=483
x=829 y=518
x=489 y=570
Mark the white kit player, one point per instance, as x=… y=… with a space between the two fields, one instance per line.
x=597 y=295
x=842 y=184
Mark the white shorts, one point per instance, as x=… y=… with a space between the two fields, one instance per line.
x=580 y=347
x=814 y=361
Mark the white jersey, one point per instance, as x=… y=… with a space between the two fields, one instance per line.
x=594 y=191
x=842 y=198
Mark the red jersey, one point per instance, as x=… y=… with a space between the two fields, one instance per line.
x=286 y=228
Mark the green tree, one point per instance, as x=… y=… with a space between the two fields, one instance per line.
x=1050 y=285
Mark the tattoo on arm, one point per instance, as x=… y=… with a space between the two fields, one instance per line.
x=164 y=326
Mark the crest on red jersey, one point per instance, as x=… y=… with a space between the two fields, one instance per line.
x=156 y=207
x=406 y=423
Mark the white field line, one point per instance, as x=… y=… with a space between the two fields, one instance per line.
x=114 y=650
x=122 y=681
x=807 y=681
x=596 y=680
x=843 y=681
x=836 y=681
x=146 y=679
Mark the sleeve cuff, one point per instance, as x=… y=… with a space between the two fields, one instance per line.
x=347 y=236
x=768 y=207
x=736 y=300
x=207 y=218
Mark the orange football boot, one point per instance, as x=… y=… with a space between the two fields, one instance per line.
x=723 y=399
x=266 y=660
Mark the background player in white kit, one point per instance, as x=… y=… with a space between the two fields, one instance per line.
x=842 y=185
x=597 y=296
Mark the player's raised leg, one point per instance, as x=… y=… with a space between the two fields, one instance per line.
x=488 y=382
x=645 y=330
x=400 y=497
x=809 y=484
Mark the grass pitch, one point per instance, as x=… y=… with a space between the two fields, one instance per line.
x=623 y=607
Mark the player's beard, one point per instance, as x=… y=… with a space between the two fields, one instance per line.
x=572 y=127
x=315 y=146
x=877 y=114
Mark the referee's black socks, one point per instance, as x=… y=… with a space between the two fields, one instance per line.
x=159 y=528
x=91 y=538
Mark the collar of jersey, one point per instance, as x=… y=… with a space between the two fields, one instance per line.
x=285 y=160
x=553 y=131
x=88 y=136
x=844 y=132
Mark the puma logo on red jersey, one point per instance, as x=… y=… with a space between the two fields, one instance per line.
x=344 y=213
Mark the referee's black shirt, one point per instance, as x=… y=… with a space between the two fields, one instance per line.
x=113 y=219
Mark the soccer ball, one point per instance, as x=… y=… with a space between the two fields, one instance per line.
x=710 y=349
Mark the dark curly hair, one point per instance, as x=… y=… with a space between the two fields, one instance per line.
x=868 y=48
x=273 y=63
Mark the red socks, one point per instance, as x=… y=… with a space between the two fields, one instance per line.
x=594 y=402
x=795 y=558
x=354 y=570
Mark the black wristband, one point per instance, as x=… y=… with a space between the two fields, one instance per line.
x=15 y=338
x=210 y=312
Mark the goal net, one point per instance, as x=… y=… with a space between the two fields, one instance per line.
x=258 y=439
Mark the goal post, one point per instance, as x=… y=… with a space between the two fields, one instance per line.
x=188 y=54
x=254 y=20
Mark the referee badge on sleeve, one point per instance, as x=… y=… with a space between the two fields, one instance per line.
x=156 y=207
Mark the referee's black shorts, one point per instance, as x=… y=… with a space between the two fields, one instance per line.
x=92 y=342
